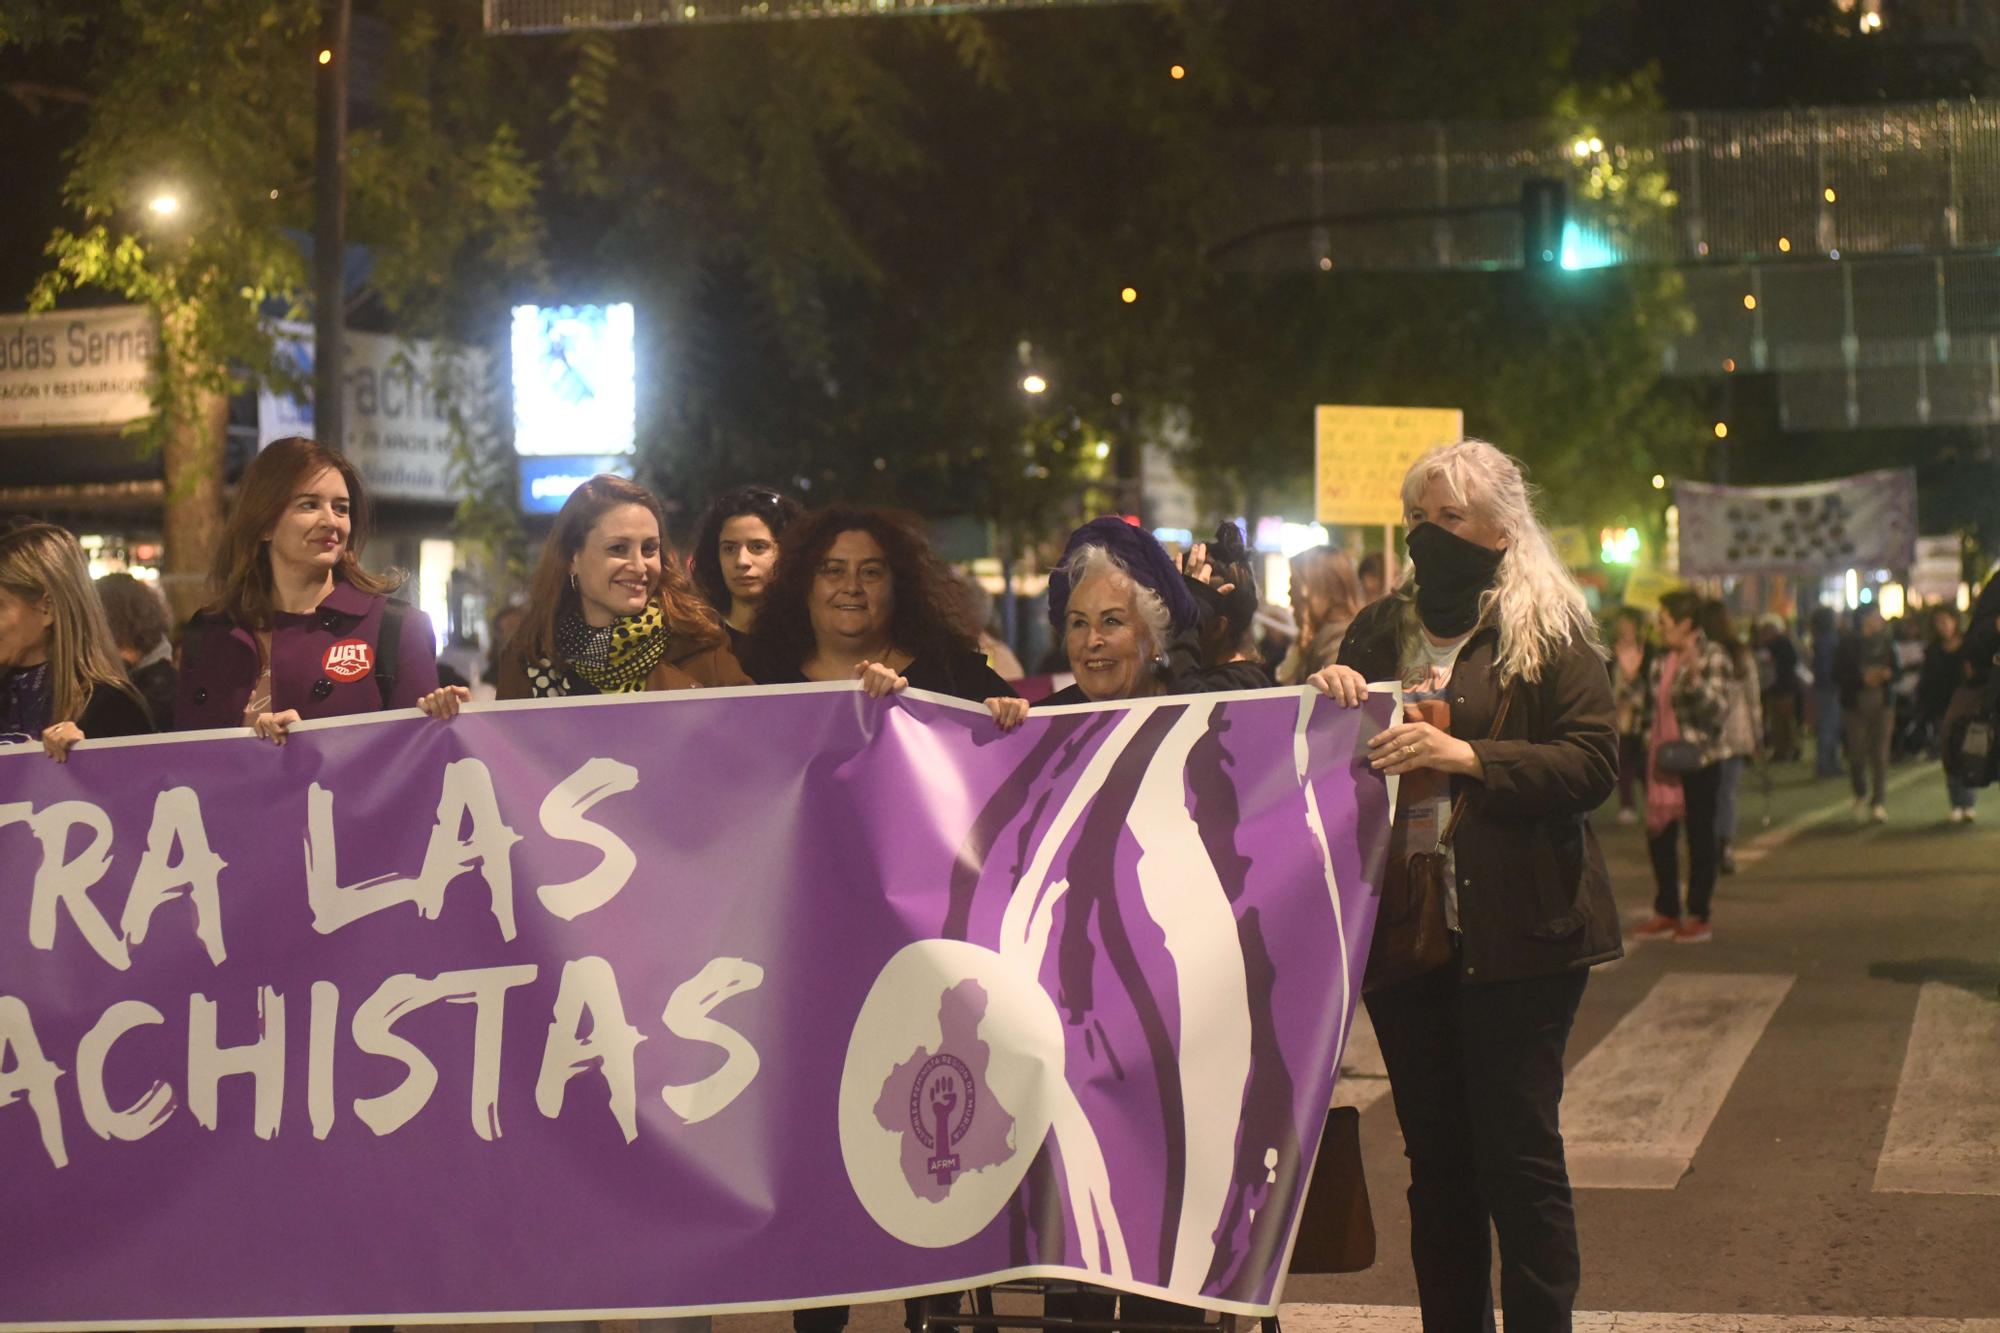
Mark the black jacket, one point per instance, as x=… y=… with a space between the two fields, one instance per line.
x=1534 y=897
x=1982 y=633
x=113 y=712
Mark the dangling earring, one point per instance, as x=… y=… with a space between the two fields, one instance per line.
x=573 y=586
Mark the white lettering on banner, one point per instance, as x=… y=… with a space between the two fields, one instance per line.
x=144 y=1116
x=263 y=1060
x=588 y=1031
x=24 y=1070
x=65 y=881
x=562 y=816
x=589 y=986
x=686 y=1016
x=467 y=792
x=177 y=821
x=485 y=988
x=325 y=1025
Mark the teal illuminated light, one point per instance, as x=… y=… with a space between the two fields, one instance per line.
x=1583 y=249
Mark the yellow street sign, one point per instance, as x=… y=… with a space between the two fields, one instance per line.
x=1361 y=454
x=1644 y=587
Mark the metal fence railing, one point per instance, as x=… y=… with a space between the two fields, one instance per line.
x=1769 y=186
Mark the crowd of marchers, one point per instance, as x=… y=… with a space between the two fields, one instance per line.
x=1514 y=733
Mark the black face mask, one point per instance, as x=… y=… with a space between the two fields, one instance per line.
x=1451 y=574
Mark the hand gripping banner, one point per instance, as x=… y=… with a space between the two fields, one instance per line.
x=725 y=1000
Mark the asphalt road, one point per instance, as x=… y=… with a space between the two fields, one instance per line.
x=1781 y=1208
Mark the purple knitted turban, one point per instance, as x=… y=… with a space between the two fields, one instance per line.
x=1136 y=549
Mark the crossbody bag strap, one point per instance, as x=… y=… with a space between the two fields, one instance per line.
x=389 y=647
x=1493 y=734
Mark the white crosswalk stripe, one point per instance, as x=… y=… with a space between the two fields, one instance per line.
x=1304 y=1318
x=1637 y=1106
x=1944 y=1130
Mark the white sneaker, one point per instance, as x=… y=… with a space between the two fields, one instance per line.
x=1969 y=814
x=1957 y=815
x=1879 y=814
x=1627 y=815
x=1860 y=807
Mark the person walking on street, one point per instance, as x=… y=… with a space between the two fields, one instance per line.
x=1864 y=671
x=1944 y=672
x=1784 y=697
x=1631 y=664
x=1826 y=641
x=1689 y=698
x=1492 y=622
x=1742 y=730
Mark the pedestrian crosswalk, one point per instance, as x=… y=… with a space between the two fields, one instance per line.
x=1641 y=1101
x=1944 y=1132
x=1639 y=1104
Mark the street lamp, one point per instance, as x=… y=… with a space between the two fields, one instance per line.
x=1034 y=384
x=165 y=204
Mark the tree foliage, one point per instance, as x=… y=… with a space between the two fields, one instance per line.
x=212 y=103
x=850 y=241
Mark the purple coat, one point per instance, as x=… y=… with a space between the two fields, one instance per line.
x=322 y=663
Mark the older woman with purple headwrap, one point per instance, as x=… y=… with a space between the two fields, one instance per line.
x=1129 y=624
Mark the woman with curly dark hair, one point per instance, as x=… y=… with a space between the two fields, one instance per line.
x=736 y=552
x=858 y=594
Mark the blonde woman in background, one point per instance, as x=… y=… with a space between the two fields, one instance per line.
x=1326 y=596
x=61 y=680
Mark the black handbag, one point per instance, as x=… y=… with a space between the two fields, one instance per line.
x=1679 y=758
x=1412 y=931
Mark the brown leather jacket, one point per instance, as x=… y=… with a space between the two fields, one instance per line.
x=1534 y=897
x=687 y=665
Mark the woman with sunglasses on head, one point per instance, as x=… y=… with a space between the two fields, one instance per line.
x=736 y=552
x=297 y=629
x=608 y=612
x=60 y=677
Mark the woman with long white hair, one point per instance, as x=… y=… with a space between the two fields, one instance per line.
x=1507 y=746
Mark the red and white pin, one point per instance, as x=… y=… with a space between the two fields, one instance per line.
x=349 y=660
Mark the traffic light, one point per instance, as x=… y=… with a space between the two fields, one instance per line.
x=1544 y=214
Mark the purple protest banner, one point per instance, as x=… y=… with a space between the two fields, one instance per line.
x=724 y=1000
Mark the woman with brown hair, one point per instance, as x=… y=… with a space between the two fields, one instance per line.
x=608 y=612
x=60 y=677
x=735 y=552
x=297 y=628
x=1326 y=596
x=859 y=595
